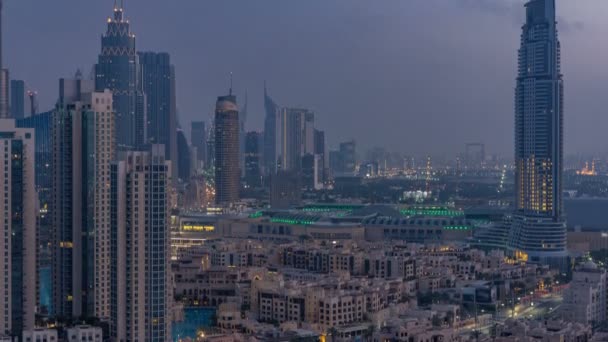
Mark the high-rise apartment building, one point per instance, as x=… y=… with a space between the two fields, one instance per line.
x=41 y=126
x=83 y=147
x=17 y=104
x=158 y=83
x=296 y=137
x=139 y=202
x=585 y=298
x=227 y=173
x=539 y=229
x=117 y=69
x=18 y=222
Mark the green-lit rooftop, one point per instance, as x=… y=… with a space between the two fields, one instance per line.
x=431 y=211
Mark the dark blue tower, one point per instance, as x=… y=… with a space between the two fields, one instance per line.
x=117 y=70
x=539 y=229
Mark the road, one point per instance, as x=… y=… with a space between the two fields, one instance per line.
x=545 y=307
x=542 y=308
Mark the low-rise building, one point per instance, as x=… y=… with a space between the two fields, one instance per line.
x=585 y=299
x=40 y=335
x=81 y=333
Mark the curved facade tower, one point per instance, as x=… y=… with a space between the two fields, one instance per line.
x=271 y=134
x=227 y=172
x=539 y=229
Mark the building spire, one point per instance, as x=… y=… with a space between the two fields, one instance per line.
x=118 y=10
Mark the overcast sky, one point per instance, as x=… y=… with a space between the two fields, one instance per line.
x=415 y=76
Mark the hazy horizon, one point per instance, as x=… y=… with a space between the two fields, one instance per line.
x=416 y=76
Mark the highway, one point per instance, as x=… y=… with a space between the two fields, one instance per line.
x=543 y=308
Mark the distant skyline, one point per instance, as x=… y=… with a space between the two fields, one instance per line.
x=414 y=76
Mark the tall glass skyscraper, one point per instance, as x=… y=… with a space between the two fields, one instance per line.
x=41 y=123
x=271 y=131
x=17 y=104
x=539 y=230
x=158 y=83
x=227 y=173
x=117 y=70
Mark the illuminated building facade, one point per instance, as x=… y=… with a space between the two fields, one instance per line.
x=18 y=217
x=227 y=174
x=117 y=69
x=538 y=227
x=83 y=142
x=140 y=245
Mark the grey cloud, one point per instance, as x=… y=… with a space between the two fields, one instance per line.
x=513 y=9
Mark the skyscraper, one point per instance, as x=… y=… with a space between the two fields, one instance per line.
x=83 y=147
x=321 y=150
x=41 y=123
x=539 y=229
x=253 y=173
x=18 y=241
x=17 y=99
x=139 y=202
x=242 y=134
x=227 y=173
x=184 y=160
x=3 y=78
x=198 y=136
x=158 y=83
x=117 y=69
x=271 y=131
x=296 y=137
